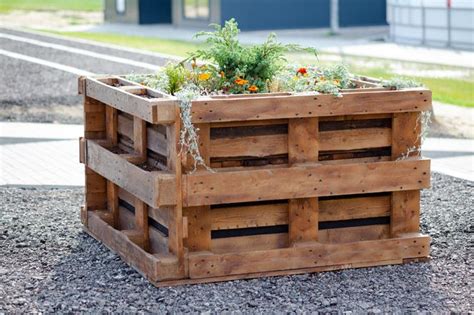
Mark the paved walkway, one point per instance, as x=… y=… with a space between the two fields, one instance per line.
x=47 y=155
x=356 y=41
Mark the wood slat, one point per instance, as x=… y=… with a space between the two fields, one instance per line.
x=354 y=208
x=405 y=216
x=153 y=111
x=280 y=107
x=249 y=243
x=204 y=188
x=267 y=145
x=311 y=254
x=140 y=138
x=406 y=134
x=354 y=234
x=155 y=188
x=141 y=222
x=249 y=216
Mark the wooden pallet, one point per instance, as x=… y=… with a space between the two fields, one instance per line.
x=302 y=183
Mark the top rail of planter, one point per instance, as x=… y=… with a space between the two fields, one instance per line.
x=160 y=108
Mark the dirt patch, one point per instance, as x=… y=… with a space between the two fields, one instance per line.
x=451 y=121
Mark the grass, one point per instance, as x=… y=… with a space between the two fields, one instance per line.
x=165 y=46
x=50 y=5
x=445 y=90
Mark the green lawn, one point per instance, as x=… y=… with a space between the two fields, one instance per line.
x=445 y=90
x=451 y=91
x=50 y=5
x=165 y=46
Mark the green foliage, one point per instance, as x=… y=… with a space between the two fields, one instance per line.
x=399 y=83
x=177 y=75
x=243 y=67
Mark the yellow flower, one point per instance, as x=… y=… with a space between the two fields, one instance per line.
x=336 y=82
x=241 y=81
x=253 y=89
x=204 y=76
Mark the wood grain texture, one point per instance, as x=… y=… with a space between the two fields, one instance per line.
x=307 y=255
x=140 y=138
x=354 y=208
x=280 y=107
x=406 y=134
x=405 y=217
x=204 y=188
x=155 y=188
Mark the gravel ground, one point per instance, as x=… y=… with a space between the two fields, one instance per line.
x=47 y=264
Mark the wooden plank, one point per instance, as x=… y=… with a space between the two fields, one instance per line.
x=249 y=243
x=120 y=244
x=113 y=203
x=307 y=255
x=406 y=135
x=155 y=188
x=266 y=145
x=141 y=222
x=176 y=230
x=354 y=234
x=156 y=111
x=249 y=216
x=280 y=107
x=303 y=147
x=111 y=125
x=205 y=146
x=354 y=208
x=199 y=228
x=405 y=217
x=353 y=139
x=204 y=188
x=140 y=137
x=155 y=140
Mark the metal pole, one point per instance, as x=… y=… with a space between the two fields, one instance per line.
x=334 y=16
x=449 y=22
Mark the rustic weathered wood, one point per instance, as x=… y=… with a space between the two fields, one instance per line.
x=405 y=217
x=155 y=188
x=140 y=137
x=305 y=181
x=302 y=183
x=303 y=147
x=278 y=107
x=311 y=254
x=175 y=230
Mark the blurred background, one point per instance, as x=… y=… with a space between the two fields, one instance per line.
x=45 y=45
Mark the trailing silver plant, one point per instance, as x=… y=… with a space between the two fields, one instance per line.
x=424 y=120
x=189 y=139
x=400 y=83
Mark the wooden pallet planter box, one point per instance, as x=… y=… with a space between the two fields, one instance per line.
x=301 y=182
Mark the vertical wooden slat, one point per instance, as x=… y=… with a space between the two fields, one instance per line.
x=405 y=217
x=406 y=140
x=113 y=202
x=303 y=145
x=94 y=128
x=406 y=129
x=139 y=137
x=111 y=125
x=199 y=218
x=141 y=222
x=175 y=229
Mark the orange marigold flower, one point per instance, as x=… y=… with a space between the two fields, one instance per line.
x=204 y=76
x=336 y=82
x=253 y=89
x=302 y=71
x=241 y=81
x=222 y=74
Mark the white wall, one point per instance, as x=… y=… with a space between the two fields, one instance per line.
x=430 y=22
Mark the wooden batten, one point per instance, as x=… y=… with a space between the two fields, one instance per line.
x=156 y=188
x=304 y=181
x=281 y=107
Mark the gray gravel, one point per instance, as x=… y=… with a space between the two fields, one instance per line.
x=48 y=264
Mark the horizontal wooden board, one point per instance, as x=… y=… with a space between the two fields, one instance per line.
x=280 y=107
x=267 y=145
x=354 y=208
x=308 y=180
x=307 y=255
x=155 y=110
x=154 y=188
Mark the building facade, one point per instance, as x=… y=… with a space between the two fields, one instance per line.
x=251 y=14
